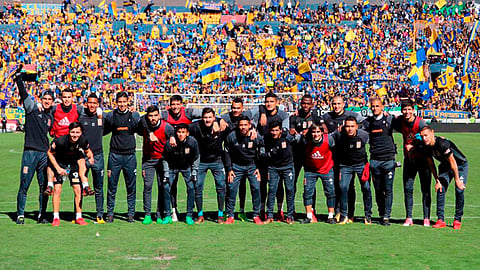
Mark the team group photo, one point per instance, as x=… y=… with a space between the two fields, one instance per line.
x=239 y=134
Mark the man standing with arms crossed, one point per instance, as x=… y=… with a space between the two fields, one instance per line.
x=34 y=158
x=92 y=121
x=122 y=124
x=382 y=158
x=152 y=160
x=453 y=165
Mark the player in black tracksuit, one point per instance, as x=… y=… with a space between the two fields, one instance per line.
x=279 y=156
x=272 y=113
x=331 y=121
x=183 y=158
x=453 y=166
x=122 y=124
x=382 y=158
x=210 y=141
x=92 y=121
x=34 y=158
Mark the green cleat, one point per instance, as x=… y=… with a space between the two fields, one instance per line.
x=167 y=220
x=159 y=220
x=190 y=220
x=242 y=216
x=147 y=220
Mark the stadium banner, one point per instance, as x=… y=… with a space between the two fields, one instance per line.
x=15 y=114
x=236 y=18
x=39 y=9
x=211 y=7
x=370 y=77
x=444 y=114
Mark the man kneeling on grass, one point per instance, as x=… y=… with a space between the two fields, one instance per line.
x=67 y=160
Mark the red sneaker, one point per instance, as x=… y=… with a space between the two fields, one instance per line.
x=81 y=222
x=257 y=220
x=426 y=222
x=440 y=224
x=56 y=222
x=230 y=220
x=314 y=218
x=408 y=222
x=457 y=225
x=280 y=216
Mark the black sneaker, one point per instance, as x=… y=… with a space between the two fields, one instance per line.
x=109 y=219
x=332 y=221
x=42 y=220
x=306 y=221
x=385 y=222
x=87 y=191
x=131 y=219
x=20 y=220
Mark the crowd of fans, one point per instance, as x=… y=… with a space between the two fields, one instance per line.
x=341 y=43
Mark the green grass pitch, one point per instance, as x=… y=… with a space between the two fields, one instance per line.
x=243 y=245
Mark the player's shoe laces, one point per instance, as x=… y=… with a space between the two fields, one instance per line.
x=457 y=225
x=81 y=222
x=147 y=220
x=200 y=220
x=408 y=222
x=440 y=224
x=20 y=220
x=230 y=220
x=56 y=222
x=257 y=220
x=87 y=191
x=426 y=222
x=189 y=220
x=242 y=216
x=100 y=220
x=167 y=220
x=48 y=191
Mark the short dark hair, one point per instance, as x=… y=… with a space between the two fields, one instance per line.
x=152 y=108
x=271 y=94
x=181 y=126
x=307 y=96
x=275 y=123
x=407 y=103
x=93 y=95
x=427 y=128
x=351 y=118
x=176 y=98
x=207 y=110
x=75 y=125
x=67 y=90
x=237 y=100
x=122 y=94
x=243 y=118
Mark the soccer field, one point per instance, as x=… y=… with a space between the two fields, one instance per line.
x=122 y=245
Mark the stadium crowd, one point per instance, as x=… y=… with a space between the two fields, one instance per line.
x=341 y=44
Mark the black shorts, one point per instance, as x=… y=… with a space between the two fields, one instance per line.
x=73 y=175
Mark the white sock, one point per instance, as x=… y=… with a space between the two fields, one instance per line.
x=330 y=214
x=309 y=215
x=85 y=184
x=79 y=215
x=50 y=184
x=56 y=215
x=173 y=211
x=20 y=216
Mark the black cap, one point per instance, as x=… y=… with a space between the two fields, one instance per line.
x=48 y=93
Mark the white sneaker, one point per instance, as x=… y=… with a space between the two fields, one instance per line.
x=174 y=215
